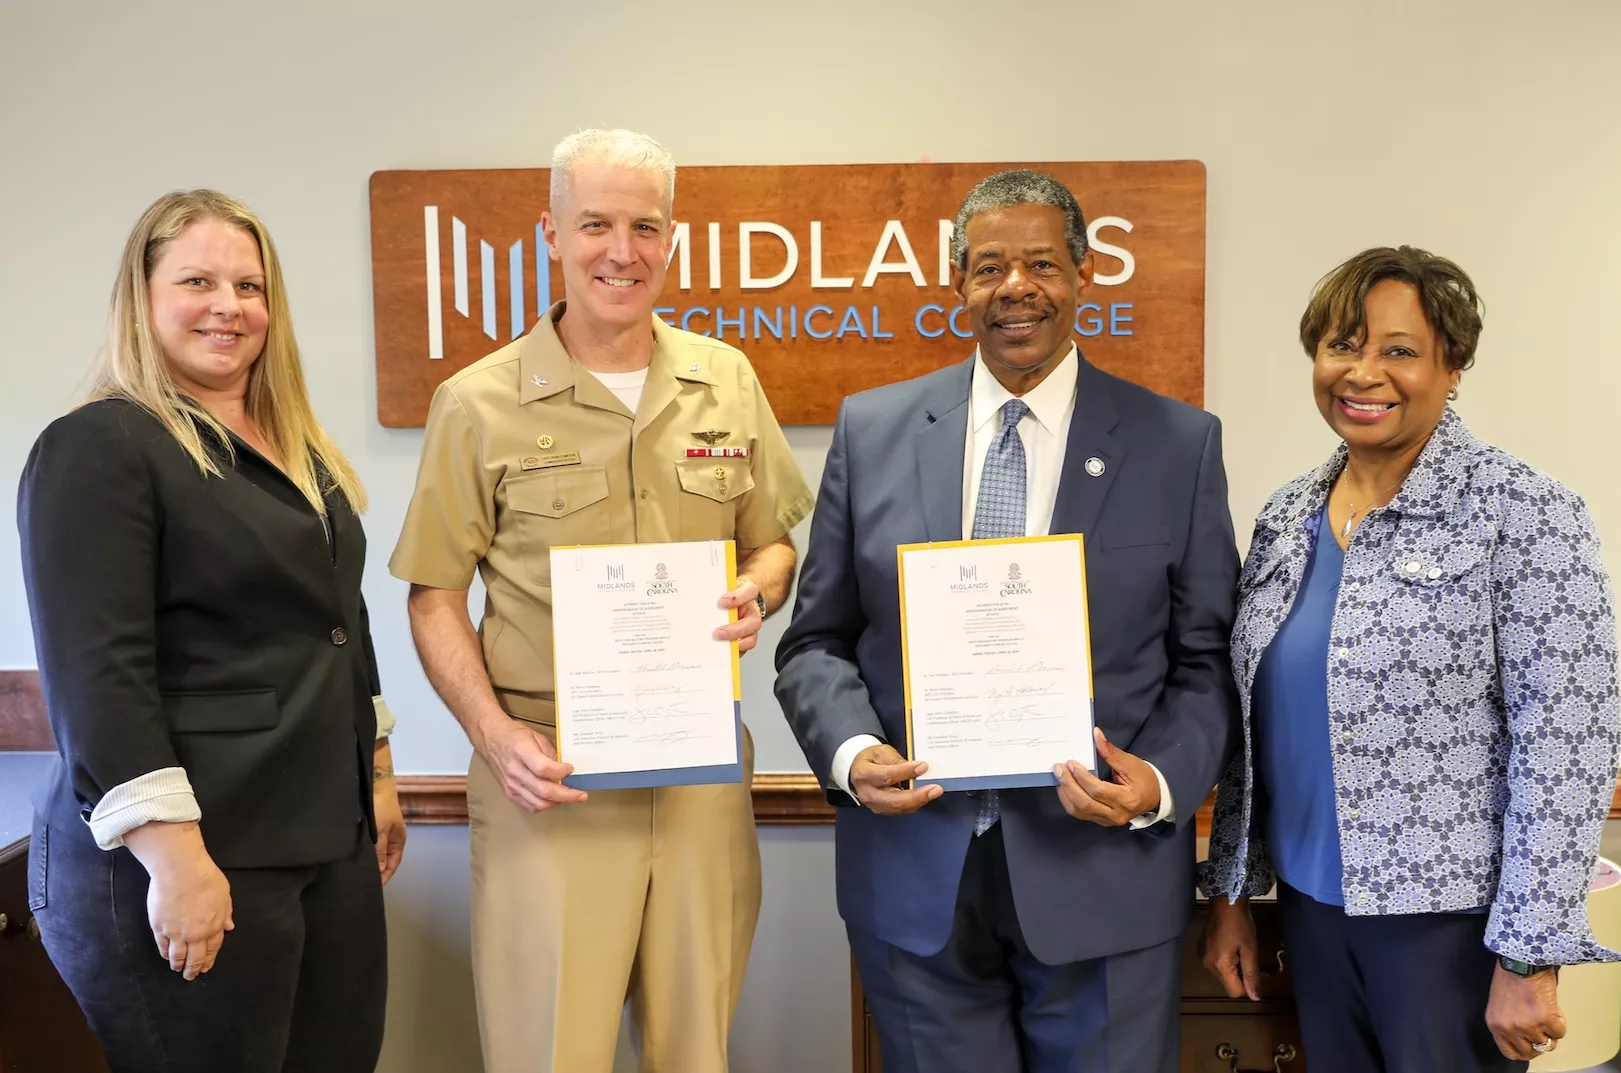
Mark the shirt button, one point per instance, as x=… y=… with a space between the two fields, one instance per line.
x=340 y=636
x=1354 y=586
x=1345 y=653
x=557 y=504
x=1362 y=898
x=644 y=493
x=1354 y=813
x=1346 y=737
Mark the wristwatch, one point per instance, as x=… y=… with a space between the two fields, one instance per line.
x=1523 y=968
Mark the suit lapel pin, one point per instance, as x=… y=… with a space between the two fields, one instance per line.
x=1094 y=466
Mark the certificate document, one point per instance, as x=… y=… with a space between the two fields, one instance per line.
x=997 y=655
x=645 y=695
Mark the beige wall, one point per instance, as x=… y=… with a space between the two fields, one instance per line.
x=1483 y=129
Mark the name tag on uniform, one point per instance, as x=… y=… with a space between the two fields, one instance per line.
x=566 y=458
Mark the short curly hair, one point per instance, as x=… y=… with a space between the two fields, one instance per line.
x=1021 y=186
x=1338 y=306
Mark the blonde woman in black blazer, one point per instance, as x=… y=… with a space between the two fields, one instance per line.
x=208 y=862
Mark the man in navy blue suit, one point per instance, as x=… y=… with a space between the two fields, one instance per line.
x=1021 y=930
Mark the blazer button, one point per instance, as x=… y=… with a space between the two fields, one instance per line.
x=340 y=636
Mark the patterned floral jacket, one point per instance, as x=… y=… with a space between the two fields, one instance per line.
x=1472 y=688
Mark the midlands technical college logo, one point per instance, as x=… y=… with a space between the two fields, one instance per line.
x=511 y=313
x=616 y=581
x=831 y=278
x=968 y=580
x=518 y=318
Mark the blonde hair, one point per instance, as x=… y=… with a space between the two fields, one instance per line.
x=131 y=364
x=619 y=148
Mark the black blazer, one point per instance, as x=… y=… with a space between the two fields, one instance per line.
x=199 y=622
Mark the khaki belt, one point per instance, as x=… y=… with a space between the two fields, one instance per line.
x=530 y=707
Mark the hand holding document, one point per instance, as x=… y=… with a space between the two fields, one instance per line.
x=997 y=653
x=645 y=695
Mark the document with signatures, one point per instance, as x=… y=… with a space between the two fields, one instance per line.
x=997 y=654
x=645 y=695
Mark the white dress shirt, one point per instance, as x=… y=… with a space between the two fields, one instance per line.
x=1044 y=432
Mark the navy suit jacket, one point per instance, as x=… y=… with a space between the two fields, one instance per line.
x=1161 y=568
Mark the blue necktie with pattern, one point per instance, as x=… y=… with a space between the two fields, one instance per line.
x=999 y=512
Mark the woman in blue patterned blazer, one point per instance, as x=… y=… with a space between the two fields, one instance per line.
x=1425 y=650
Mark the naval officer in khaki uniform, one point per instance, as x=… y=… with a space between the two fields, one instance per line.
x=579 y=433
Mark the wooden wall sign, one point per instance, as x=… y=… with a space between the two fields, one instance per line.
x=832 y=278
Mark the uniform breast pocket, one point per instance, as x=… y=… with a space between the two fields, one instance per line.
x=710 y=491
x=557 y=508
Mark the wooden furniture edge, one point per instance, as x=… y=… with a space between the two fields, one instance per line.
x=781 y=799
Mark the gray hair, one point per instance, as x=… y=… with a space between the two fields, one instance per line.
x=619 y=148
x=1019 y=187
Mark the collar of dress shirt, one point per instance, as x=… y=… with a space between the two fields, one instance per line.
x=1048 y=400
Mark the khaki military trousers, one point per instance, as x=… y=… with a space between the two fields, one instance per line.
x=647 y=894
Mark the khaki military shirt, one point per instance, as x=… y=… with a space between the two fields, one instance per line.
x=525 y=450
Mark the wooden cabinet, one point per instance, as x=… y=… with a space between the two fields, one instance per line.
x=1219 y=1034
x=42 y=1029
